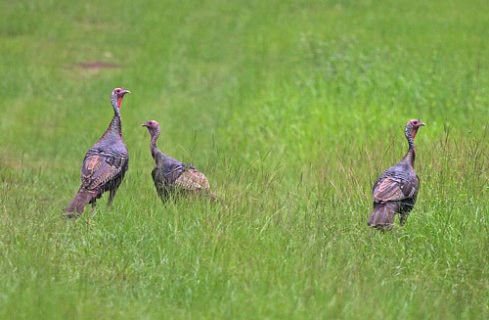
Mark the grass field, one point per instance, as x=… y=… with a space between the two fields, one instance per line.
x=292 y=109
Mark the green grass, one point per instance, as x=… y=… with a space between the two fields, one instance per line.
x=292 y=109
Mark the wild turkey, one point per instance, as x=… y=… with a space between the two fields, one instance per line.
x=172 y=177
x=397 y=188
x=105 y=163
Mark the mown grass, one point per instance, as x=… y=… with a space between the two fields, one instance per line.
x=292 y=109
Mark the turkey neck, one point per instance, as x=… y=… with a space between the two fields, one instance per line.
x=154 y=137
x=411 y=153
x=115 y=126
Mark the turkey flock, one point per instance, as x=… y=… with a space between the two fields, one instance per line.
x=106 y=163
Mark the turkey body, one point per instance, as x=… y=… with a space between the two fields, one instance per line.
x=173 y=177
x=394 y=192
x=103 y=168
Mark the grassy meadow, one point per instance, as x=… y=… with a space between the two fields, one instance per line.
x=292 y=109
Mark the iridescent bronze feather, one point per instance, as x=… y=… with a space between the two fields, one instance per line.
x=192 y=180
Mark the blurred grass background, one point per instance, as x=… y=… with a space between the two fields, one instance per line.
x=292 y=109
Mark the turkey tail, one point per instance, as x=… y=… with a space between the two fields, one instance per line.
x=76 y=206
x=383 y=215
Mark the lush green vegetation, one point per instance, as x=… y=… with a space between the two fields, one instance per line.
x=292 y=109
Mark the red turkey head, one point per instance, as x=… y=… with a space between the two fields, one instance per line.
x=118 y=94
x=413 y=126
x=153 y=127
x=151 y=124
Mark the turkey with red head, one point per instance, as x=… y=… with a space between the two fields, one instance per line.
x=104 y=165
x=170 y=176
x=397 y=188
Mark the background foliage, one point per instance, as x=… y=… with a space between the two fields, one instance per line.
x=292 y=109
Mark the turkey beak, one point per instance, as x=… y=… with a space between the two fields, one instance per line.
x=144 y=125
x=422 y=124
x=127 y=91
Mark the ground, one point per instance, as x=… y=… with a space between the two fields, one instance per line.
x=292 y=109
